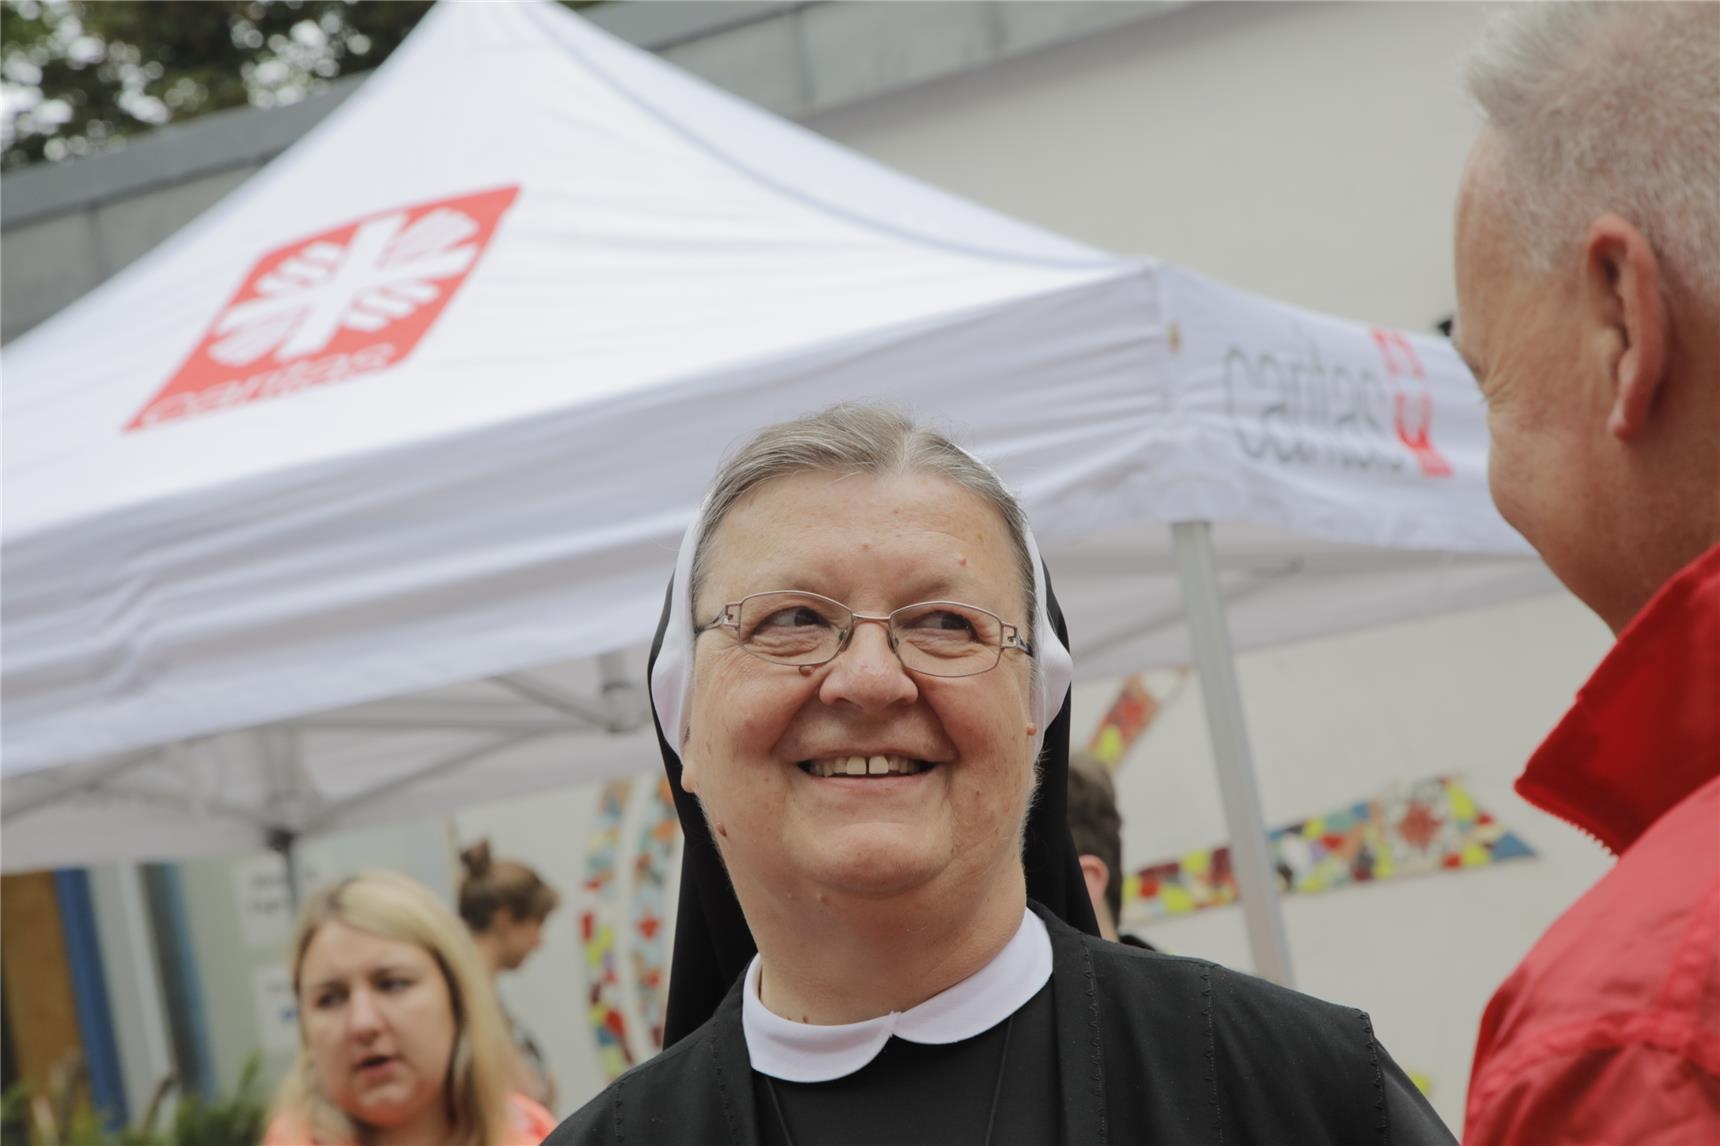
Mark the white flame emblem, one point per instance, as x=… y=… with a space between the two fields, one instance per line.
x=384 y=273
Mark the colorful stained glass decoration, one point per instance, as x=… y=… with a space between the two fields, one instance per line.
x=659 y=837
x=1432 y=825
x=597 y=931
x=1129 y=715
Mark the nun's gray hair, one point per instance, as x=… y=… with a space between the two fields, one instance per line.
x=859 y=437
x=1608 y=107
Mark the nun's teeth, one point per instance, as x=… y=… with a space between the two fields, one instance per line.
x=865 y=766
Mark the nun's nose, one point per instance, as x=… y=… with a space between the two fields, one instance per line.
x=867 y=673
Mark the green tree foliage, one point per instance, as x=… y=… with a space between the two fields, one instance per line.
x=80 y=75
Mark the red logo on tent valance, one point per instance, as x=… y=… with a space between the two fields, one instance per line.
x=1412 y=405
x=350 y=301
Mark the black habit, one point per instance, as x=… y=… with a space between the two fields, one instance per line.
x=1147 y=1048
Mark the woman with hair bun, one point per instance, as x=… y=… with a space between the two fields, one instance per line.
x=505 y=903
x=401 y=1042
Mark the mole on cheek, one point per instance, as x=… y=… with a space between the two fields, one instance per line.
x=721 y=830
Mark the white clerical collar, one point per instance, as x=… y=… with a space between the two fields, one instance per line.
x=803 y=1052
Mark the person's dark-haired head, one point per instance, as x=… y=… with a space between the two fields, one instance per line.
x=1098 y=831
x=505 y=904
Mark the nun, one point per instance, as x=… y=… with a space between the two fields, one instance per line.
x=861 y=685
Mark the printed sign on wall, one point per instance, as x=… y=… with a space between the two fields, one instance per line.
x=277 y=1009
x=266 y=913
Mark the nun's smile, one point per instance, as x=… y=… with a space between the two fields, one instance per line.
x=863 y=765
x=857 y=775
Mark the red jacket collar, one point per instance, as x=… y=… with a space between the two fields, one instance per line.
x=1644 y=732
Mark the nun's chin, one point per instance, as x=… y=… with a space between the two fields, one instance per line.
x=872 y=835
x=879 y=860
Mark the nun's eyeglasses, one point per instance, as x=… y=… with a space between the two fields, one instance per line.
x=934 y=638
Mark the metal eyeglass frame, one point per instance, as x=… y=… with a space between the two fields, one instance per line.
x=1009 y=636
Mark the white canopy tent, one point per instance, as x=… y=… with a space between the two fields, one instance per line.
x=356 y=500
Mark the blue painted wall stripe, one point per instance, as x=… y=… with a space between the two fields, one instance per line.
x=89 y=988
x=164 y=888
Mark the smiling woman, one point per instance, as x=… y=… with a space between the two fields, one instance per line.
x=861 y=679
x=763 y=742
x=401 y=1040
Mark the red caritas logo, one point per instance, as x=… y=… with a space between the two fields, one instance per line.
x=1412 y=406
x=351 y=301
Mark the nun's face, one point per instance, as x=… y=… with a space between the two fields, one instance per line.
x=760 y=734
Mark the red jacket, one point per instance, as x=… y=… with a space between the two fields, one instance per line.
x=1608 y=1032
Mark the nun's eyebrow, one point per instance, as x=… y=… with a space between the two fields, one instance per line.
x=935 y=588
x=930 y=587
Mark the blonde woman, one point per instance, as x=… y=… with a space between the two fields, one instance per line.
x=400 y=1038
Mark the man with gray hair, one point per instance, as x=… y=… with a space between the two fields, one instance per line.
x=1588 y=284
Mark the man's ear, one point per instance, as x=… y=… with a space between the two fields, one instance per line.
x=1097 y=874
x=1623 y=295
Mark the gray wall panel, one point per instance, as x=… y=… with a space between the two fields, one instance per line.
x=131 y=227
x=45 y=268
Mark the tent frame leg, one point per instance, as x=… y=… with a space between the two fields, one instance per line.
x=1209 y=636
x=285 y=844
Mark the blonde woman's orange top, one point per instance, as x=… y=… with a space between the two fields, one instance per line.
x=528 y=1125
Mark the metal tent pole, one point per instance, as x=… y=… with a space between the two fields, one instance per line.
x=284 y=843
x=1210 y=638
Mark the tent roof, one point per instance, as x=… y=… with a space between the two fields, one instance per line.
x=657 y=238
x=658 y=230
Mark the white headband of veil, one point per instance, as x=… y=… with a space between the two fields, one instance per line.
x=672 y=676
